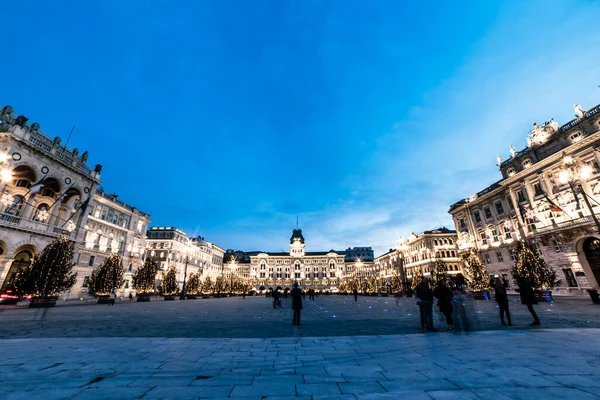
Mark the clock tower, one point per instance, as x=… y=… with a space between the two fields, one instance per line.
x=297 y=243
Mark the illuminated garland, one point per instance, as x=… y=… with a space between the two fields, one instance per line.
x=476 y=274
x=207 y=286
x=107 y=276
x=417 y=277
x=440 y=273
x=221 y=285
x=192 y=286
x=169 y=283
x=533 y=268
x=144 y=278
x=50 y=273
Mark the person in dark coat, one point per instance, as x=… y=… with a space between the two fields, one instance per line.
x=425 y=302
x=528 y=298
x=502 y=300
x=296 y=294
x=355 y=293
x=444 y=296
x=276 y=301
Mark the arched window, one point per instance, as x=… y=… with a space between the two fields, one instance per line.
x=41 y=213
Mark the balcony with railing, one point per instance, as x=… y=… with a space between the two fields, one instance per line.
x=18 y=222
x=588 y=219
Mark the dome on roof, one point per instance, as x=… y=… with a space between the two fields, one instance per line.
x=297 y=234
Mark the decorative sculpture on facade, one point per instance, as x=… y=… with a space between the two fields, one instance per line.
x=513 y=151
x=541 y=133
x=499 y=160
x=579 y=112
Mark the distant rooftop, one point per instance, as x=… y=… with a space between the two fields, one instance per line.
x=120 y=203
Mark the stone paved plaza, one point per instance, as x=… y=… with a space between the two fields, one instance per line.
x=253 y=317
x=243 y=348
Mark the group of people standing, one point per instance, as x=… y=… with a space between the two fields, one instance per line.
x=444 y=295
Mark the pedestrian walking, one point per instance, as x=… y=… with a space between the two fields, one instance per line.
x=355 y=293
x=444 y=296
x=113 y=296
x=502 y=300
x=296 y=304
x=130 y=296
x=528 y=298
x=276 y=301
x=425 y=302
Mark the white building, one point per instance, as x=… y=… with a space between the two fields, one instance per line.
x=425 y=249
x=113 y=226
x=31 y=219
x=549 y=196
x=320 y=270
x=171 y=247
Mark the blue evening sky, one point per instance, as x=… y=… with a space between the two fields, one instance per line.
x=366 y=119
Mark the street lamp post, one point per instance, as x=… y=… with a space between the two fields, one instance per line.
x=187 y=259
x=232 y=267
x=402 y=249
x=573 y=175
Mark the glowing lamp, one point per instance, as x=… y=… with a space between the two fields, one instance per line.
x=563 y=176
x=585 y=172
x=5 y=174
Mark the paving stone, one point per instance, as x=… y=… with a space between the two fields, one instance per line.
x=309 y=389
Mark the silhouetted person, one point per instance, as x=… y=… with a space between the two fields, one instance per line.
x=296 y=294
x=502 y=300
x=444 y=296
x=130 y=296
x=528 y=298
x=425 y=301
x=355 y=293
x=276 y=298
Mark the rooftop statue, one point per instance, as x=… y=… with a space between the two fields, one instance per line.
x=579 y=112
x=499 y=159
x=513 y=151
x=538 y=135
x=551 y=126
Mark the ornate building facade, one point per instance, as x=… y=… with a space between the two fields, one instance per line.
x=421 y=251
x=171 y=247
x=319 y=270
x=549 y=196
x=113 y=226
x=45 y=189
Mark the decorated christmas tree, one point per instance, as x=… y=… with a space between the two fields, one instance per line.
x=143 y=279
x=417 y=278
x=440 y=273
x=353 y=284
x=397 y=284
x=50 y=273
x=192 y=286
x=475 y=274
x=208 y=285
x=343 y=287
x=107 y=276
x=169 y=283
x=530 y=266
x=220 y=285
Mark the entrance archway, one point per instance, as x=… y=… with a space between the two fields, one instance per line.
x=21 y=260
x=591 y=249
